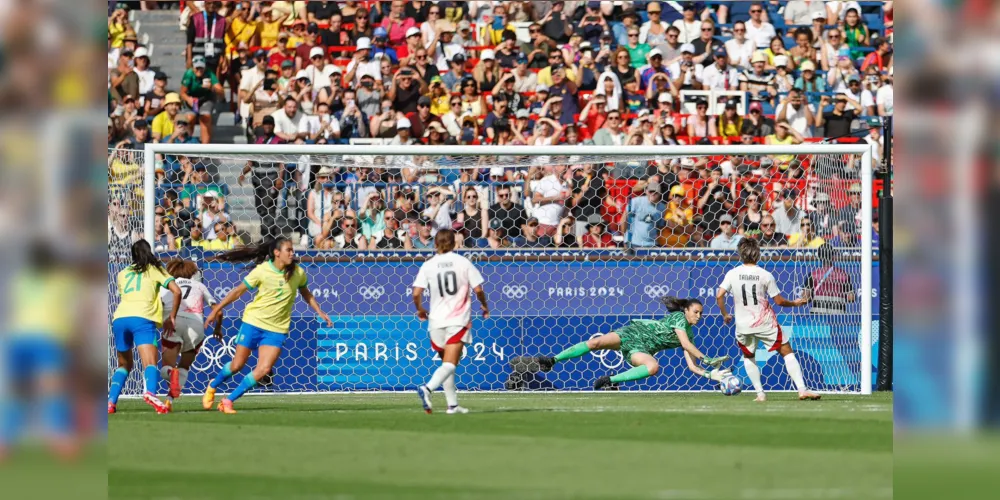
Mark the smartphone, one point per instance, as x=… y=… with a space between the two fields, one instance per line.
x=269 y=82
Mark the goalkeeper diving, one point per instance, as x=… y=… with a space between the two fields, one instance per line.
x=640 y=339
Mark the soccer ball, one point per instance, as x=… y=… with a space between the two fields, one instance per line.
x=731 y=386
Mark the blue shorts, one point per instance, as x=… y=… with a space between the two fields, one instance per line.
x=134 y=331
x=31 y=355
x=252 y=337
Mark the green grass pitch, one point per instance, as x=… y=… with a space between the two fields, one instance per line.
x=511 y=446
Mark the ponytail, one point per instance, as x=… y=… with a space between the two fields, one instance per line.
x=675 y=304
x=143 y=257
x=260 y=253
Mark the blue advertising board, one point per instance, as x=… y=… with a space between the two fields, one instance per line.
x=376 y=343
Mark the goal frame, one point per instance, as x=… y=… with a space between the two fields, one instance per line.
x=864 y=149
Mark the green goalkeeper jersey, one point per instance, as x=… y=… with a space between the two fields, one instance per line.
x=653 y=335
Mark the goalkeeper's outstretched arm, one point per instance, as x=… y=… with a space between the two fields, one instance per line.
x=714 y=373
x=689 y=348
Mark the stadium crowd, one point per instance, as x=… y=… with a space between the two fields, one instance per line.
x=515 y=73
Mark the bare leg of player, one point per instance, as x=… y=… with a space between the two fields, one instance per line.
x=449 y=362
x=750 y=365
x=795 y=372
x=168 y=359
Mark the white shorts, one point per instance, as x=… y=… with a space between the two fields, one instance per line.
x=188 y=332
x=441 y=337
x=772 y=340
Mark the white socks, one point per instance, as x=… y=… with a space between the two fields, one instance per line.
x=795 y=372
x=182 y=375
x=750 y=365
x=450 y=391
x=440 y=376
x=165 y=373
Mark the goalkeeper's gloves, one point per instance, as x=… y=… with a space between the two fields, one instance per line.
x=714 y=362
x=717 y=374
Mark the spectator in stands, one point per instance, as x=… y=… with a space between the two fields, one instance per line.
x=720 y=75
x=795 y=110
x=181 y=134
x=206 y=37
x=803 y=51
x=551 y=194
x=628 y=19
x=473 y=102
x=808 y=82
x=163 y=123
x=824 y=217
x=335 y=35
x=547 y=130
x=856 y=91
x=756 y=80
x=785 y=135
x=473 y=220
x=739 y=48
x=758 y=30
x=883 y=98
x=806 y=237
x=444 y=48
x=656 y=77
x=363 y=64
x=371 y=215
x=838 y=120
x=769 y=237
x=124 y=81
x=439 y=202
x=881 y=58
x=689 y=26
x=597 y=235
x=406 y=91
x=555 y=23
x=715 y=200
x=756 y=124
x=423 y=239
x=849 y=217
x=118 y=28
x=833 y=50
x=509 y=215
x=730 y=122
x=750 y=216
x=362 y=26
x=855 y=31
x=381 y=48
x=801 y=12
x=700 y=125
x=839 y=78
x=783 y=81
x=288 y=121
x=787 y=216
x=321 y=74
x=392 y=237
x=530 y=238
x=706 y=46
x=199 y=87
x=348 y=237
x=726 y=239
x=829 y=288
x=144 y=75
x=152 y=101
x=487 y=72
x=588 y=191
x=211 y=212
x=637 y=51
x=644 y=217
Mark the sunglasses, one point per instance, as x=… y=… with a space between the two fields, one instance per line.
x=751 y=200
x=533 y=224
x=503 y=195
x=755 y=11
x=424 y=56
x=615 y=118
x=741 y=30
x=456 y=103
x=423 y=105
x=707 y=29
x=767 y=225
x=472 y=197
x=534 y=31
x=630 y=35
x=349 y=226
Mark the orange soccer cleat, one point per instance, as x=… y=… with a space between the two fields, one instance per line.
x=226 y=406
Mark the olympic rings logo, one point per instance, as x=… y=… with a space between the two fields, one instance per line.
x=372 y=292
x=656 y=291
x=212 y=355
x=608 y=359
x=515 y=292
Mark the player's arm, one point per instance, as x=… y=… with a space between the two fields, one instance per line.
x=311 y=300
x=233 y=296
x=720 y=300
x=783 y=302
x=713 y=373
x=418 y=301
x=481 y=295
x=687 y=345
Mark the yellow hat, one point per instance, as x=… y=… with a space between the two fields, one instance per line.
x=677 y=190
x=172 y=98
x=807 y=66
x=758 y=57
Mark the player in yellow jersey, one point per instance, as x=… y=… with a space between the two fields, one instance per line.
x=276 y=280
x=136 y=320
x=35 y=349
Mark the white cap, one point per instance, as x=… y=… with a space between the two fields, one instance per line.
x=781 y=60
x=210 y=194
x=403 y=122
x=687 y=47
x=412 y=31
x=758 y=57
x=364 y=43
x=542 y=88
x=654 y=52
x=819 y=15
x=487 y=54
x=687 y=162
x=335 y=68
x=665 y=97
x=302 y=74
x=141 y=52
x=316 y=51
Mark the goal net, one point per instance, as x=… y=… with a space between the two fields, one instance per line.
x=573 y=242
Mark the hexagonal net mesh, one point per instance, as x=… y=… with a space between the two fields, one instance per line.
x=571 y=246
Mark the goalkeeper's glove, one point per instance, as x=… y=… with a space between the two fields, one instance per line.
x=717 y=374
x=714 y=362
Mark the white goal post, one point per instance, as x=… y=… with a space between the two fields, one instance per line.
x=346 y=368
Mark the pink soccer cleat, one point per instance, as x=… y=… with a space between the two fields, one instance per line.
x=808 y=396
x=112 y=408
x=151 y=399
